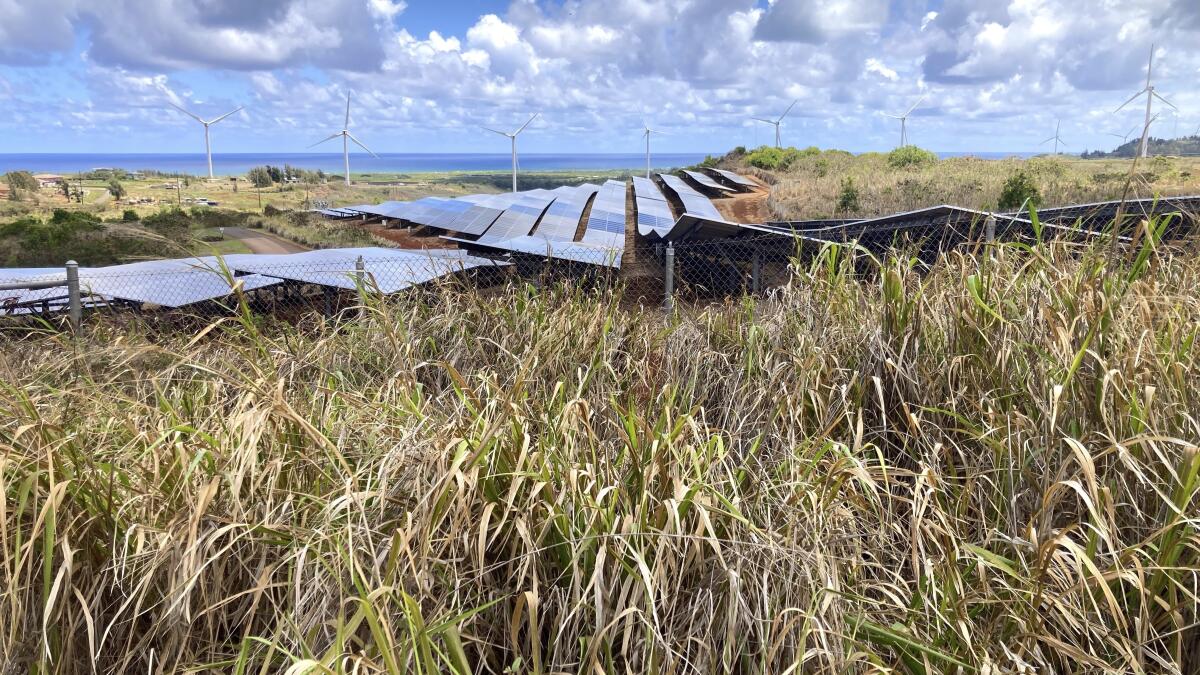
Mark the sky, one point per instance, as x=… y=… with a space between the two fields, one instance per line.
x=996 y=75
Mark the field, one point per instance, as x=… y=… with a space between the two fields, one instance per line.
x=990 y=467
x=834 y=184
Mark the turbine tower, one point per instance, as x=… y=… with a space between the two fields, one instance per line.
x=646 y=131
x=207 y=124
x=777 y=122
x=513 y=138
x=1055 y=137
x=1148 y=90
x=346 y=138
x=904 y=121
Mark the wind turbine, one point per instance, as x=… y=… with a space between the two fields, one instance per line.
x=513 y=138
x=1055 y=137
x=346 y=138
x=904 y=120
x=777 y=122
x=207 y=124
x=1148 y=90
x=646 y=131
x=1125 y=138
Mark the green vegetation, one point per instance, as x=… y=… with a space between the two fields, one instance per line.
x=988 y=468
x=772 y=158
x=73 y=235
x=910 y=155
x=1187 y=145
x=19 y=182
x=848 y=197
x=67 y=235
x=1019 y=189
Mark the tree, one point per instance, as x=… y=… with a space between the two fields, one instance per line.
x=259 y=177
x=848 y=197
x=1018 y=188
x=116 y=189
x=21 y=181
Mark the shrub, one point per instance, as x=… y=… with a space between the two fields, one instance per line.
x=130 y=216
x=848 y=196
x=910 y=155
x=1017 y=188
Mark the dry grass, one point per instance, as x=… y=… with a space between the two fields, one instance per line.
x=992 y=467
x=810 y=188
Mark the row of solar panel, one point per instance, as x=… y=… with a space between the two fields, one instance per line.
x=176 y=283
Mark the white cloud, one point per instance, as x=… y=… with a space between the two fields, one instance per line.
x=874 y=65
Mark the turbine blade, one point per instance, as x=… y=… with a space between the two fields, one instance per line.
x=759 y=119
x=895 y=117
x=347 y=124
x=789 y=109
x=1046 y=141
x=496 y=131
x=525 y=125
x=185 y=112
x=359 y=144
x=914 y=106
x=1129 y=101
x=1156 y=95
x=324 y=140
x=225 y=115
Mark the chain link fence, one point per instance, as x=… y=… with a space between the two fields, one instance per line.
x=332 y=283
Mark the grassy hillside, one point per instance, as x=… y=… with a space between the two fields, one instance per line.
x=992 y=468
x=823 y=184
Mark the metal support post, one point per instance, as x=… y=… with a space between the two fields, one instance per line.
x=75 y=305
x=756 y=272
x=989 y=229
x=669 y=278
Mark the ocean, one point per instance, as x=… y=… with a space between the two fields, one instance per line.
x=227 y=164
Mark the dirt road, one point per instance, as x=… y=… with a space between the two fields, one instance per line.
x=263 y=242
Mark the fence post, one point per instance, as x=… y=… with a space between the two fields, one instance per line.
x=75 y=303
x=669 y=278
x=989 y=229
x=756 y=271
x=360 y=280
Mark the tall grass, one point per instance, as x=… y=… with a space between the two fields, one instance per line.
x=810 y=186
x=992 y=467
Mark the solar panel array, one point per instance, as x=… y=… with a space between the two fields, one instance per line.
x=562 y=218
x=653 y=212
x=606 y=223
x=385 y=269
x=705 y=181
x=520 y=217
x=735 y=178
x=168 y=283
x=693 y=202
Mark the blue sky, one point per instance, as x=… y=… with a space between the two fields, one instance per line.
x=996 y=74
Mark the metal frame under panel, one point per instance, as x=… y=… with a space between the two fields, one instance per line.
x=707 y=182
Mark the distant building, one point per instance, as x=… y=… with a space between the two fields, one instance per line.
x=48 y=180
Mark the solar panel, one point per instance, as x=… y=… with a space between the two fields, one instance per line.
x=519 y=218
x=706 y=181
x=168 y=283
x=693 y=202
x=389 y=270
x=606 y=223
x=653 y=212
x=561 y=219
x=735 y=178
